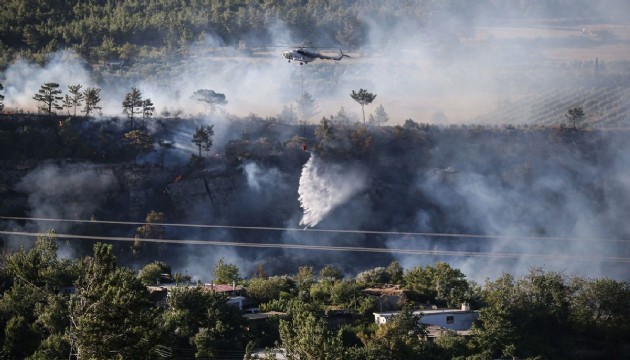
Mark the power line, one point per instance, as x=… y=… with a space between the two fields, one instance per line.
x=550 y=257
x=340 y=231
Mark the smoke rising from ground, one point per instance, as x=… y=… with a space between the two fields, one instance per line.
x=64 y=191
x=455 y=66
x=444 y=72
x=325 y=186
x=69 y=192
x=23 y=79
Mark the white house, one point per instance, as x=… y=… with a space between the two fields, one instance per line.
x=454 y=319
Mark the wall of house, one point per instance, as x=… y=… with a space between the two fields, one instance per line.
x=453 y=321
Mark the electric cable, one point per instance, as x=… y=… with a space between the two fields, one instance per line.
x=313 y=230
x=550 y=257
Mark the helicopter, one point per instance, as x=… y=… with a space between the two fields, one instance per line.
x=305 y=56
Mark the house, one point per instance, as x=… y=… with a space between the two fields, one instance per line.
x=230 y=290
x=337 y=317
x=159 y=293
x=388 y=297
x=453 y=319
x=274 y=354
x=236 y=302
x=263 y=315
x=259 y=322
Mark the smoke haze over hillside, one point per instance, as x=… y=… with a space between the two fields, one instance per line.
x=454 y=64
x=445 y=71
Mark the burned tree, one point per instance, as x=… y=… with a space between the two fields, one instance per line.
x=575 y=115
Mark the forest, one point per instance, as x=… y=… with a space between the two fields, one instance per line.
x=108 y=30
x=163 y=141
x=415 y=176
x=111 y=313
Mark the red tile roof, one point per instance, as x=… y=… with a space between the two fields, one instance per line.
x=222 y=287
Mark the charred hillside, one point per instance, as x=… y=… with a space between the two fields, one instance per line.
x=544 y=196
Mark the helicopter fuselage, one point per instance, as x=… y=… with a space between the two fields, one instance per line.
x=304 y=57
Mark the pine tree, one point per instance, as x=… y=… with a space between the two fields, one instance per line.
x=203 y=137
x=307 y=104
x=140 y=141
x=575 y=115
x=76 y=97
x=225 y=273
x=363 y=97
x=380 y=117
x=111 y=315
x=132 y=104
x=147 y=108
x=49 y=96
x=210 y=97
x=92 y=98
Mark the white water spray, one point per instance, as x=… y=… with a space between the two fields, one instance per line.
x=325 y=186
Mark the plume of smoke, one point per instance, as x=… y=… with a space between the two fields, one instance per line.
x=325 y=186
x=23 y=79
x=554 y=205
x=258 y=177
x=66 y=191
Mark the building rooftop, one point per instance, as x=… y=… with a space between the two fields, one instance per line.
x=464 y=309
x=262 y=316
x=385 y=290
x=427 y=312
x=222 y=287
x=442 y=311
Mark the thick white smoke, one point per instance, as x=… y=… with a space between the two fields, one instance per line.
x=23 y=79
x=72 y=191
x=325 y=186
x=259 y=177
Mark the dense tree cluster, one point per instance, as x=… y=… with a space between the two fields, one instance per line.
x=116 y=29
x=121 y=30
x=110 y=312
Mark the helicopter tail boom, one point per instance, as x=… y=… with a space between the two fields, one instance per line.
x=337 y=58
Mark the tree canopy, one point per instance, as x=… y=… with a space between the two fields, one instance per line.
x=49 y=97
x=132 y=104
x=225 y=273
x=203 y=137
x=210 y=97
x=92 y=97
x=543 y=314
x=111 y=311
x=363 y=97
